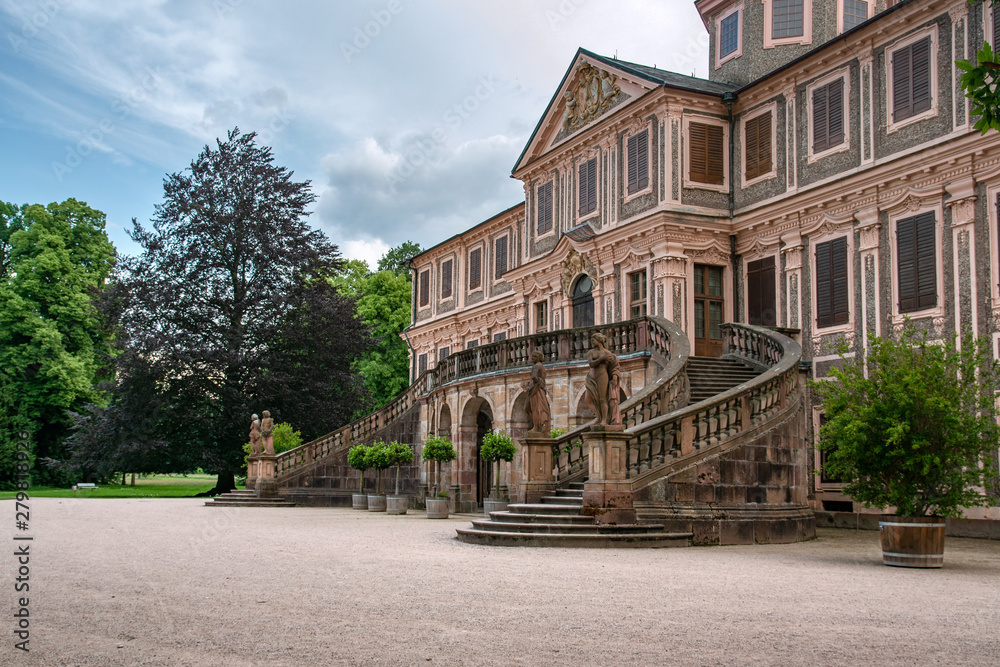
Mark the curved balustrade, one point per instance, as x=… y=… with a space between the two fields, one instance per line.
x=663 y=439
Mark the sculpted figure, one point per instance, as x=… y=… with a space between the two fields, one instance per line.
x=538 y=399
x=255 y=436
x=571 y=113
x=604 y=382
x=267 y=431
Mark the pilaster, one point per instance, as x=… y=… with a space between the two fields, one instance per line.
x=868 y=229
x=963 y=228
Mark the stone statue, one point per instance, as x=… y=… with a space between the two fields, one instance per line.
x=255 y=436
x=267 y=431
x=604 y=384
x=538 y=399
x=571 y=113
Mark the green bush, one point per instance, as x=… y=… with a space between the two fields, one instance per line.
x=497 y=446
x=438 y=451
x=379 y=458
x=399 y=455
x=285 y=438
x=913 y=424
x=357 y=458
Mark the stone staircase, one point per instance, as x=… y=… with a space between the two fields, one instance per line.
x=558 y=521
x=240 y=498
x=710 y=376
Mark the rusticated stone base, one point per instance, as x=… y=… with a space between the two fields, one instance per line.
x=715 y=525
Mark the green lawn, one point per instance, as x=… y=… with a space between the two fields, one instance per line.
x=153 y=486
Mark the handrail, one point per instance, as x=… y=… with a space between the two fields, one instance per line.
x=664 y=439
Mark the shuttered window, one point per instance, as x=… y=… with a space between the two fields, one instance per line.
x=637 y=150
x=996 y=27
x=911 y=80
x=787 y=19
x=541 y=317
x=706 y=154
x=917 y=279
x=588 y=187
x=828 y=116
x=443 y=353
x=757 y=145
x=544 y=209
x=425 y=288
x=761 y=308
x=421 y=363
x=446 y=270
x=500 y=257
x=831 y=283
x=476 y=269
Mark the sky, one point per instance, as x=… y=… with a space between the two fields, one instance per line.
x=407 y=116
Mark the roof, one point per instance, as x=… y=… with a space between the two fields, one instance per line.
x=582 y=232
x=487 y=221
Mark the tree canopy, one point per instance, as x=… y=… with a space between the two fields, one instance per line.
x=981 y=83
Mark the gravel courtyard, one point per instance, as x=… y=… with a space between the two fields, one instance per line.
x=172 y=582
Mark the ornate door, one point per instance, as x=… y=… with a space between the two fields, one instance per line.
x=583 y=303
x=709 y=307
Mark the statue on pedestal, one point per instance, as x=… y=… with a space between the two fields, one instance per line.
x=538 y=399
x=267 y=431
x=255 y=436
x=604 y=384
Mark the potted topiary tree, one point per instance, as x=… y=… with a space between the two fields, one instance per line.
x=497 y=447
x=378 y=458
x=437 y=451
x=398 y=456
x=912 y=425
x=357 y=458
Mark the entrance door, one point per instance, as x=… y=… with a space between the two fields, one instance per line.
x=484 y=469
x=583 y=303
x=708 y=309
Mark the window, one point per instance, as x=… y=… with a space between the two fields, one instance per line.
x=911 y=80
x=422 y=363
x=541 y=317
x=832 y=306
x=446 y=270
x=855 y=12
x=757 y=146
x=637 y=294
x=729 y=34
x=500 y=257
x=472 y=343
x=543 y=210
x=637 y=150
x=588 y=187
x=828 y=116
x=476 y=269
x=707 y=154
x=500 y=337
x=787 y=19
x=443 y=353
x=995 y=25
x=425 y=288
x=761 y=309
x=917 y=270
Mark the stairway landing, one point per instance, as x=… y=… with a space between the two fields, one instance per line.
x=239 y=498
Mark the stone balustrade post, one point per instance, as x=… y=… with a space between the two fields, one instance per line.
x=266 y=484
x=537 y=466
x=607 y=494
x=251 y=473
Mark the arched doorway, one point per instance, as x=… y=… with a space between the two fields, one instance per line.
x=484 y=469
x=583 y=303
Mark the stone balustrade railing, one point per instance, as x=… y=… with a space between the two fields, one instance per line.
x=662 y=440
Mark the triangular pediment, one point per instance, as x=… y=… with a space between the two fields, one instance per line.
x=592 y=88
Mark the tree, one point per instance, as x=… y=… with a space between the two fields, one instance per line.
x=230 y=305
x=53 y=343
x=981 y=83
x=497 y=446
x=397 y=259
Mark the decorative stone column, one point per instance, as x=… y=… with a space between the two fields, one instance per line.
x=963 y=218
x=793 y=280
x=266 y=485
x=670 y=285
x=868 y=231
x=607 y=494
x=537 y=466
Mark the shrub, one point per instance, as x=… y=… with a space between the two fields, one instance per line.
x=378 y=457
x=497 y=446
x=399 y=455
x=438 y=451
x=357 y=458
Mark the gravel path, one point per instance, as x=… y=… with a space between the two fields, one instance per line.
x=171 y=582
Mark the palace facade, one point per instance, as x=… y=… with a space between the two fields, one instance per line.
x=825 y=181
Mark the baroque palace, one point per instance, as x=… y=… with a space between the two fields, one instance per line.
x=824 y=183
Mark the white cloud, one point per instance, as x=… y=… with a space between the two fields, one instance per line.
x=369 y=251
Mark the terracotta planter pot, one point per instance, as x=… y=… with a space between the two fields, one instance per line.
x=912 y=541
x=376 y=503
x=359 y=501
x=490 y=505
x=397 y=504
x=437 y=508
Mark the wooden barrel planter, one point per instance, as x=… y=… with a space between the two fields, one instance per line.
x=376 y=503
x=359 y=501
x=437 y=508
x=909 y=541
x=396 y=504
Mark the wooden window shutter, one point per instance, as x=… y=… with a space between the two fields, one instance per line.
x=446 y=271
x=475 y=268
x=916 y=263
x=753 y=293
x=835 y=113
x=716 y=152
x=902 y=104
x=638 y=162
x=707 y=154
x=588 y=186
x=501 y=256
x=996 y=27
x=911 y=80
x=643 y=160
x=832 y=304
x=820 y=115
x=920 y=59
x=758 y=146
x=760 y=292
x=544 y=208
x=425 y=288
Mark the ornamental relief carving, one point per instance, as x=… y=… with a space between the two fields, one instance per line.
x=709 y=256
x=870 y=237
x=963 y=212
x=593 y=92
x=574 y=265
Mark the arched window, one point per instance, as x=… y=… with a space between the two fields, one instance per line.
x=583 y=303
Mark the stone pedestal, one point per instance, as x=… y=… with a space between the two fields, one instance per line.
x=537 y=468
x=252 y=474
x=267 y=485
x=607 y=494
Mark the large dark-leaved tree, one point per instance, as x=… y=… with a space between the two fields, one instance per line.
x=229 y=310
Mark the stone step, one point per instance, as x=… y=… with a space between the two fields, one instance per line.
x=249 y=503
x=574 y=540
x=563 y=500
x=542 y=508
x=570 y=493
x=565 y=528
x=565 y=519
